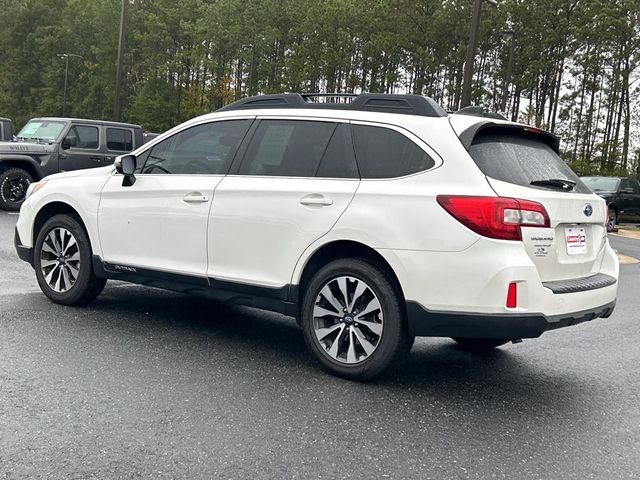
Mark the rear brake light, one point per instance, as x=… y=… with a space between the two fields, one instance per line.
x=495 y=217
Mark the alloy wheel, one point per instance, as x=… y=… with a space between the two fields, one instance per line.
x=348 y=319
x=60 y=259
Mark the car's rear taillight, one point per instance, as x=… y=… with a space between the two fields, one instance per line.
x=495 y=217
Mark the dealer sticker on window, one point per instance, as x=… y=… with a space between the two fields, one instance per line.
x=576 y=240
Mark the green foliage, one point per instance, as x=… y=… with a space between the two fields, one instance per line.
x=575 y=67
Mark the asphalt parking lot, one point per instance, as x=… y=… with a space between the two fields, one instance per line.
x=151 y=384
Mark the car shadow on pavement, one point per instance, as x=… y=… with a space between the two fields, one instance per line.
x=438 y=366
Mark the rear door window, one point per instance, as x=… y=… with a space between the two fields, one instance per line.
x=385 y=153
x=119 y=139
x=339 y=160
x=520 y=159
x=287 y=148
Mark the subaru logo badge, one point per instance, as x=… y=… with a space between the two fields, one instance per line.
x=588 y=210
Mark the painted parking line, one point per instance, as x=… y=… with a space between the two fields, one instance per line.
x=627 y=260
x=633 y=235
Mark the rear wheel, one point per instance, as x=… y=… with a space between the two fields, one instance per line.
x=613 y=220
x=353 y=319
x=13 y=187
x=479 y=344
x=63 y=262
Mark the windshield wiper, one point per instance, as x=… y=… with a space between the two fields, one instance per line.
x=555 y=182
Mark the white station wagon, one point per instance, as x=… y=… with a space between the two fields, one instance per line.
x=371 y=218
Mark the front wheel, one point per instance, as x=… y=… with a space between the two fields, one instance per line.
x=613 y=220
x=62 y=260
x=13 y=187
x=353 y=319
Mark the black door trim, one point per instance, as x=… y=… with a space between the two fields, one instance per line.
x=274 y=299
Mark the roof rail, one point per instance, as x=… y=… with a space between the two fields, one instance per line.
x=368 y=102
x=480 y=112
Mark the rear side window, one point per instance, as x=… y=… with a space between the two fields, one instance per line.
x=119 y=139
x=287 y=148
x=385 y=153
x=520 y=160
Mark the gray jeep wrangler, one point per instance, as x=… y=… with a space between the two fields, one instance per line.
x=51 y=145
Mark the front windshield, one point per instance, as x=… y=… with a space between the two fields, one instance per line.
x=601 y=184
x=41 y=129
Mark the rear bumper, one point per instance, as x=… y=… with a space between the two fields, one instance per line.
x=25 y=253
x=425 y=323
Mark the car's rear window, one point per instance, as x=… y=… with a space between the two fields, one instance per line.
x=520 y=160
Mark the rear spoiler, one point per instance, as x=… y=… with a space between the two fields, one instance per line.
x=467 y=136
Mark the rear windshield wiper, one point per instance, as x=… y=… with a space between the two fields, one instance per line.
x=555 y=182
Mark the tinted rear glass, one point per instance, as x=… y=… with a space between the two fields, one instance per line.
x=520 y=160
x=338 y=160
x=119 y=139
x=385 y=153
x=287 y=148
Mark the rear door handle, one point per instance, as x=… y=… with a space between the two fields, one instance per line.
x=195 y=197
x=316 y=199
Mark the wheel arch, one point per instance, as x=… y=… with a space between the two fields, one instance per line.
x=51 y=209
x=23 y=164
x=340 y=249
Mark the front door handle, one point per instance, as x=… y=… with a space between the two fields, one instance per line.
x=316 y=199
x=96 y=159
x=195 y=197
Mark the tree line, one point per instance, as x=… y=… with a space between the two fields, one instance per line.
x=574 y=63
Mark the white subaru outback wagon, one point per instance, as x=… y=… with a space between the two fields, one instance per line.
x=371 y=218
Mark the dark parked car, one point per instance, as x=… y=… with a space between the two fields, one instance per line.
x=51 y=145
x=622 y=196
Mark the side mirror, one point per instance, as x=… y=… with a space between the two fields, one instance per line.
x=69 y=142
x=126 y=165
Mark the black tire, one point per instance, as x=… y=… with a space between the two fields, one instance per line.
x=613 y=220
x=13 y=188
x=87 y=286
x=393 y=343
x=479 y=344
